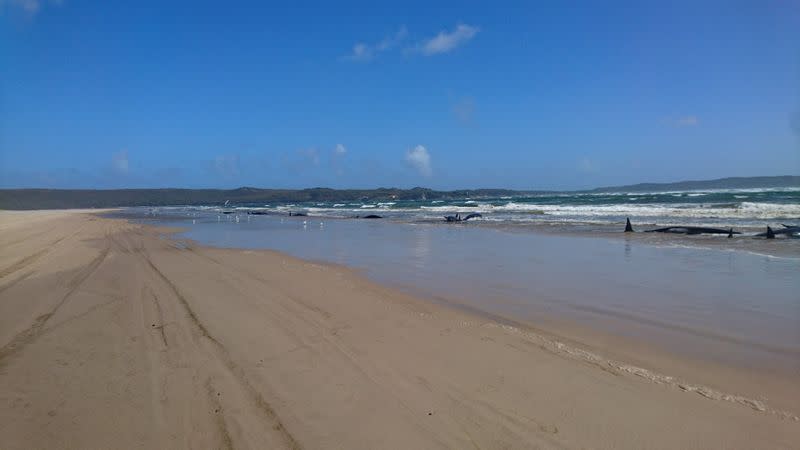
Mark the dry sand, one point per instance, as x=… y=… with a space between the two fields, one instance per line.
x=114 y=337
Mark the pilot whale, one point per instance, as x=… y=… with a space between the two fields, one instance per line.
x=458 y=218
x=788 y=230
x=628 y=226
x=694 y=230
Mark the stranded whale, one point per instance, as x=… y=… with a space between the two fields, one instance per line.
x=788 y=230
x=458 y=218
x=693 y=230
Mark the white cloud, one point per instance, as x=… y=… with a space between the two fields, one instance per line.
x=419 y=158
x=119 y=161
x=447 y=41
x=364 y=52
x=339 y=150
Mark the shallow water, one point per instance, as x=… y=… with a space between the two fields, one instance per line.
x=725 y=305
x=744 y=209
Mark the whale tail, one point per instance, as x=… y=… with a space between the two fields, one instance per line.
x=770 y=233
x=730 y=233
x=628 y=226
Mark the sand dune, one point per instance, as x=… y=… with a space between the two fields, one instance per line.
x=112 y=336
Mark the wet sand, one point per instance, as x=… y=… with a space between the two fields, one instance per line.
x=731 y=307
x=112 y=336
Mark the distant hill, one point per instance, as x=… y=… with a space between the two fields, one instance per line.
x=112 y=198
x=720 y=183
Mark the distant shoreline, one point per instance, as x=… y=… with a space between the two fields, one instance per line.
x=29 y=199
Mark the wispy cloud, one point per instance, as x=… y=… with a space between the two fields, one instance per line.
x=337 y=159
x=310 y=155
x=364 y=52
x=794 y=122
x=419 y=158
x=585 y=165
x=683 y=121
x=464 y=110
x=301 y=160
x=226 y=166
x=30 y=7
x=447 y=41
x=119 y=162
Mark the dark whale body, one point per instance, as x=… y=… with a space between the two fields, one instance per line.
x=693 y=230
x=787 y=230
x=458 y=218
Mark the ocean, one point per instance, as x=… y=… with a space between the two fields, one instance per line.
x=751 y=208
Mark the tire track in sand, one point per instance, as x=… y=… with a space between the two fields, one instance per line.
x=29 y=335
x=224 y=357
x=30 y=259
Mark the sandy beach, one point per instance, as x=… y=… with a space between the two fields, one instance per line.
x=115 y=336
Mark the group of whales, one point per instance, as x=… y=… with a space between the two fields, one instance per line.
x=455 y=218
x=787 y=230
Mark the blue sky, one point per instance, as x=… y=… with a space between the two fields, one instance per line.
x=559 y=95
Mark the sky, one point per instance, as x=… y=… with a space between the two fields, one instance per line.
x=526 y=95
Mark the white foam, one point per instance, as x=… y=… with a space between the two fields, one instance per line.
x=744 y=211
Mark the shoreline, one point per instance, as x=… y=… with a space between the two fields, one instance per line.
x=120 y=319
x=704 y=303
x=782 y=248
x=566 y=336
x=747 y=383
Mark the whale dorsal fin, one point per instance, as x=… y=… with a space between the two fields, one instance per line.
x=628 y=226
